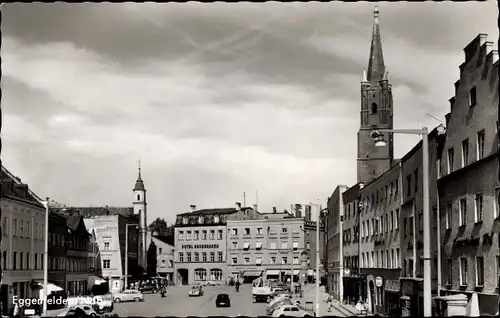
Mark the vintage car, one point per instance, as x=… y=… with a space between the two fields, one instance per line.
x=291 y=311
x=196 y=291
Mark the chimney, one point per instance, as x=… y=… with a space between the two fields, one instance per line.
x=193 y=207
x=274 y=209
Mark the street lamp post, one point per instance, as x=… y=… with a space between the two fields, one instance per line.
x=378 y=137
x=126 y=252
x=45 y=257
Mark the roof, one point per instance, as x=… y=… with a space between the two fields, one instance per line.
x=139 y=184
x=432 y=134
x=88 y=212
x=376 y=66
x=212 y=211
x=13 y=188
x=168 y=239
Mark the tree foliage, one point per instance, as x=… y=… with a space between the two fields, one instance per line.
x=159 y=226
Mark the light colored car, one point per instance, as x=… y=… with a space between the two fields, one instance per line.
x=86 y=308
x=128 y=295
x=104 y=303
x=291 y=311
x=196 y=291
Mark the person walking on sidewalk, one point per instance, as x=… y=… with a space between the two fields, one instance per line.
x=330 y=303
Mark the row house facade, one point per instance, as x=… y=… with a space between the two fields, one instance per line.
x=412 y=225
x=353 y=281
x=23 y=232
x=267 y=244
x=200 y=242
x=468 y=185
x=379 y=240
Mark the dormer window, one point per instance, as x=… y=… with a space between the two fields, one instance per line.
x=472 y=96
x=200 y=220
x=374 y=108
x=184 y=220
x=216 y=219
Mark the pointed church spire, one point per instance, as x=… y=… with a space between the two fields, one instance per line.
x=139 y=184
x=376 y=67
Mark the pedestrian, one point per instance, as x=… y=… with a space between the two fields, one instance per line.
x=330 y=303
x=360 y=307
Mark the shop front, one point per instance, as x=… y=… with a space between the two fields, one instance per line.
x=354 y=287
x=411 y=299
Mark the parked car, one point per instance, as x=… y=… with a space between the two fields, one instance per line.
x=272 y=307
x=196 y=291
x=104 y=303
x=278 y=291
x=207 y=283
x=79 y=310
x=33 y=309
x=222 y=300
x=129 y=295
x=148 y=289
x=291 y=311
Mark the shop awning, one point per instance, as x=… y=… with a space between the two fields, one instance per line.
x=295 y=272
x=252 y=273
x=246 y=245
x=272 y=272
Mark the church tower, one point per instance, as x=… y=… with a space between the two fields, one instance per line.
x=140 y=208
x=376 y=113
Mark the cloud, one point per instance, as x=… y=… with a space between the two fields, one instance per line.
x=214 y=100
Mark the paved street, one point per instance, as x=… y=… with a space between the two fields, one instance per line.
x=178 y=303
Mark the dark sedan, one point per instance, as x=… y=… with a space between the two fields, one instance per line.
x=222 y=300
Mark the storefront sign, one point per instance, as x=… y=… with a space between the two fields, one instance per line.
x=379 y=281
x=392 y=285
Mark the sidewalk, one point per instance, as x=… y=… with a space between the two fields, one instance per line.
x=339 y=309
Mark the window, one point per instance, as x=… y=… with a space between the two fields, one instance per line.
x=188 y=257
x=465 y=152
x=212 y=235
x=247 y=260
x=479 y=271
x=106 y=263
x=449 y=215
x=204 y=257
x=234 y=231
x=308 y=244
x=416 y=180
x=246 y=245
x=410 y=224
x=234 y=260
x=295 y=260
x=284 y=260
x=235 y=245
x=196 y=235
x=391 y=222
x=220 y=257
x=478 y=208
x=247 y=231
x=219 y=234
x=449 y=265
x=204 y=234
x=180 y=236
x=396 y=261
x=258 y=261
x=421 y=221
x=189 y=235
x=21 y=228
x=472 y=96
x=106 y=245
x=396 y=221
x=463 y=212
x=374 y=108
x=272 y=246
x=28 y=229
x=463 y=271
x=200 y=274
x=389 y=259
x=480 y=145
x=160 y=250
x=284 y=245
x=258 y=245
x=259 y=231
x=212 y=257
x=196 y=256
x=497 y=203
x=28 y=261
x=21 y=260
x=273 y=260
x=284 y=230
x=451 y=157
x=408 y=185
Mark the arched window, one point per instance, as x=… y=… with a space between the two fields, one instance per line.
x=374 y=108
x=200 y=274
x=216 y=274
x=138 y=197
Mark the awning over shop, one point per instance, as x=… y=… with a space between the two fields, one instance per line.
x=272 y=272
x=252 y=273
x=295 y=272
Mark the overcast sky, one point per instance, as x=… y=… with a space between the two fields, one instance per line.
x=214 y=99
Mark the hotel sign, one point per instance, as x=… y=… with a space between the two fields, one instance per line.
x=200 y=246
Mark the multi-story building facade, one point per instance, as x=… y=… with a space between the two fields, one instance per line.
x=23 y=222
x=112 y=232
x=353 y=281
x=57 y=249
x=379 y=240
x=200 y=241
x=77 y=256
x=310 y=238
x=469 y=186
x=165 y=256
x=266 y=244
x=411 y=219
x=334 y=236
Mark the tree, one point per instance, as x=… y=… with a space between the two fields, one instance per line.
x=152 y=261
x=159 y=226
